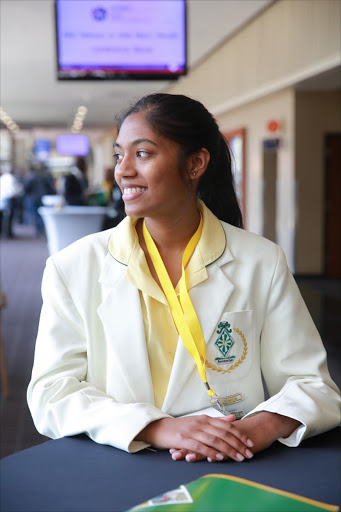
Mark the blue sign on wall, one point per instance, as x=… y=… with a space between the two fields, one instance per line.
x=41 y=150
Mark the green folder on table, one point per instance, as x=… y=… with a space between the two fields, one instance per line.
x=224 y=493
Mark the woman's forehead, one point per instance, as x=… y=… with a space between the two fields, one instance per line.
x=135 y=127
x=133 y=123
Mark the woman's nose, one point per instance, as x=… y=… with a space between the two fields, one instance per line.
x=125 y=167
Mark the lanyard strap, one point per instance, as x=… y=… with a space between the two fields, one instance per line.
x=183 y=312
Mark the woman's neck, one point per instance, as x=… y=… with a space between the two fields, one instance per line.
x=174 y=233
x=171 y=239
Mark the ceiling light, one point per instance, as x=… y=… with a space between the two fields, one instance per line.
x=8 y=121
x=79 y=118
x=82 y=109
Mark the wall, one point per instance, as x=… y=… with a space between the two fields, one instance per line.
x=317 y=113
x=250 y=79
x=290 y=41
x=254 y=117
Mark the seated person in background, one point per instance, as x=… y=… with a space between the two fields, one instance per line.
x=177 y=308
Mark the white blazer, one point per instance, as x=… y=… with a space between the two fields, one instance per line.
x=91 y=371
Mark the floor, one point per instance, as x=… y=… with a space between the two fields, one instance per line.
x=22 y=263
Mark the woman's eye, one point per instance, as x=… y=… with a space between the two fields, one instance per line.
x=141 y=153
x=117 y=157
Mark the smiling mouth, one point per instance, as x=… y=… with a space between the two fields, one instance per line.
x=133 y=190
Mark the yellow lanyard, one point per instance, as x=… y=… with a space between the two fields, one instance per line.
x=183 y=312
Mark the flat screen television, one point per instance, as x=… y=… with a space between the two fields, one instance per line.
x=72 y=145
x=121 y=39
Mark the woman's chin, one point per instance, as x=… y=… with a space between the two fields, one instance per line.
x=133 y=210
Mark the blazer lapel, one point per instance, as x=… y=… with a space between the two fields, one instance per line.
x=209 y=299
x=121 y=316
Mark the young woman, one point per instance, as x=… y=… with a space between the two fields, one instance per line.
x=177 y=309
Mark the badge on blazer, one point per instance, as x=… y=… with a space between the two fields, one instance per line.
x=224 y=343
x=230 y=342
x=223 y=403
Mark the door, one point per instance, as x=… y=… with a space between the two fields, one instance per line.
x=269 y=190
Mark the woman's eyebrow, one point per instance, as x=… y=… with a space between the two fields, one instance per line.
x=137 y=141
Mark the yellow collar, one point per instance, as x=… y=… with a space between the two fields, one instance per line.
x=124 y=247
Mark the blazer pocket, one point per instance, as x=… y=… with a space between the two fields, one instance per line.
x=230 y=351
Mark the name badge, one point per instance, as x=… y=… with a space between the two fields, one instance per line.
x=222 y=404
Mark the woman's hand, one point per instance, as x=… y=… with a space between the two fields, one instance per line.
x=194 y=457
x=203 y=436
x=264 y=428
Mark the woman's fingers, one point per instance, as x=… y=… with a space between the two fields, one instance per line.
x=214 y=439
x=194 y=457
x=218 y=444
x=237 y=443
x=229 y=417
x=178 y=454
x=185 y=454
x=223 y=437
x=231 y=428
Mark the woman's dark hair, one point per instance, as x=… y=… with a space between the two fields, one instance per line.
x=188 y=123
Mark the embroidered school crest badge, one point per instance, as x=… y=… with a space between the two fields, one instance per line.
x=230 y=342
x=225 y=342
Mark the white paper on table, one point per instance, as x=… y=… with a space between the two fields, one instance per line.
x=209 y=411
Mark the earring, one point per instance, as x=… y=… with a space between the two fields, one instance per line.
x=194 y=173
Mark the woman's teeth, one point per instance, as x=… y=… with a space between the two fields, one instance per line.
x=133 y=190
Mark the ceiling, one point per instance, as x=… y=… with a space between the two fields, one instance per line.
x=30 y=92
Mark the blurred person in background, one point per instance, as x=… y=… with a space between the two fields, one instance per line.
x=108 y=184
x=11 y=191
x=39 y=183
x=73 y=185
x=115 y=202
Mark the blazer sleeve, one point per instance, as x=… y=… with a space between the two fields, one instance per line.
x=61 y=400
x=294 y=363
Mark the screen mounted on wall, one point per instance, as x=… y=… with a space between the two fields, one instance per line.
x=121 y=39
x=72 y=145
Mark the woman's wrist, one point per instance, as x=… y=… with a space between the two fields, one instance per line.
x=144 y=434
x=279 y=426
x=286 y=425
x=150 y=432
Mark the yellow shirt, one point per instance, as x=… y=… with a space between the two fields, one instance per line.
x=160 y=331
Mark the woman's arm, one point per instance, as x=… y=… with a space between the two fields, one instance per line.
x=303 y=401
x=294 y=362
x=62 y=398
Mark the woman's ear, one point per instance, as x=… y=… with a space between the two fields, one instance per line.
x=197 y=163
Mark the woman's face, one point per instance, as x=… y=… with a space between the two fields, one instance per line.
x=147 y=172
